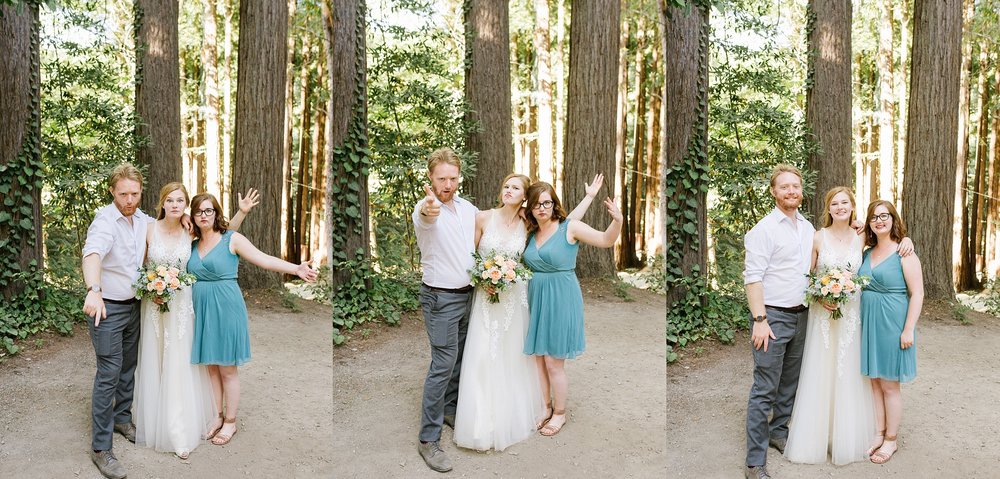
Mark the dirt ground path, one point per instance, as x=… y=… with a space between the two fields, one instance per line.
x=285 y=418
x=616 y=409
x=951 y=422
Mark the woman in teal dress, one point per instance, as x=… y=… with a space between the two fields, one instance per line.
x=221 y=334
x=555 y=302
x=890 y=306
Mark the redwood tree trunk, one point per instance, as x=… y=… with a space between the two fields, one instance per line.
x=828 y=100
x=348 y=123
x=961 y=221
x=886 y=142
x=590 y=118
x=933 y=127
x=20 y=144
x=487 y=93
x=260 y=115
x=685 y=55
x=546 y=158
x=157 y=96
x=209 y=59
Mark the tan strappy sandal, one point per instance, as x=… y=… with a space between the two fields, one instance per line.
x=882 y=457
x=215 y=431
x=550 y=430
x=222 y=439
x=881 y=439
x=545 y=420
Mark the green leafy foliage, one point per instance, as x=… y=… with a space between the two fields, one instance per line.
x=373 y=296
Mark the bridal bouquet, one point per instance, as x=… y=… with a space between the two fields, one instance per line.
x=496 y=271
x=161 y=281
x=834 y=286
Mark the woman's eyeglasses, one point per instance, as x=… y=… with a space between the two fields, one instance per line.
x=882 y=217
x=205 y=212
x=545 y=205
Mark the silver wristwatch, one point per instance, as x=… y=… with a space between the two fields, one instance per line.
x=95 y=288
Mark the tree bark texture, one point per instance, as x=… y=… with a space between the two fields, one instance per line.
x=590 y=119
x=886 y=142
x=905 y=43
x=933 y=127
x=20 y=136
x=992 y=255
x=982 y=159
x=210 y=62
x=157 y=96
x=961 y=218
x=685 y=58
x=348 y=116
x=301 y=186
x=546 y=160
x=487 y=93
x=286 y=162
x=225 y=77
x=828 y=99
x=260 y=115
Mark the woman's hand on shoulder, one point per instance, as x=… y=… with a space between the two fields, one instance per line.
x=905 y=247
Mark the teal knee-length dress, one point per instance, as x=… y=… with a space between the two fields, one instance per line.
x=555 y=302
x=221 y=329
x=884 y=303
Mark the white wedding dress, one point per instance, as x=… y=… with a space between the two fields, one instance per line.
x=833 y=409
x=173 y=398
x=499 y=395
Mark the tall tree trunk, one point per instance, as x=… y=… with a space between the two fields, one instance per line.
x=560 y=74
x=982 y=158
x=317 y=228
x=652 y=243
x=286 y=165
x=961 y=218
x=902 y=93
x=626 y=246
x=348 y=114
x=590 y=123
x=210 y=61
x=931 y=149
x=225 y=76
x=994 y=204
x=886 y=142
x=20 y=146
x=260 y=115
x=685 y=57
x=546 y=160
x=305 y=143
x=487 y=92
x=157 y=95
x=828 y=99
x=621 y=131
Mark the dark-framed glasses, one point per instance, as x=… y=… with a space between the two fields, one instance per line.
x=881 y=217
x=205 y=212
x=545 y=205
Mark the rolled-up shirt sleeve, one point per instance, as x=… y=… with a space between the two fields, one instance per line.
x=757 y=254
x=100 y=238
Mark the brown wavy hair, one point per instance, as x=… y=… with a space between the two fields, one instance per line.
x=221 y=223
x=534 y=192
x=827 y=218
x=896 y=233
x=166 y=190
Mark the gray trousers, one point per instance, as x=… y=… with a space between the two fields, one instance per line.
x=775 y=379
x=116 y=344
x=446 y=317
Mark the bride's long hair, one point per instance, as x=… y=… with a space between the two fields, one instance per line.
x=827 y=217
x=165 y=191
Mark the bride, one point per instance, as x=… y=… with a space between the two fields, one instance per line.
x=499 y=396
x=173 y=398
x=833 y=409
